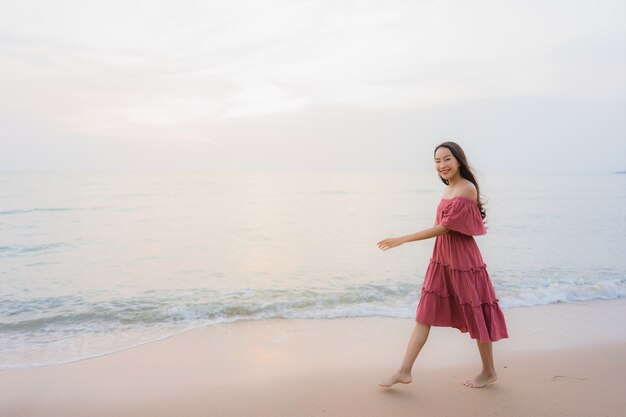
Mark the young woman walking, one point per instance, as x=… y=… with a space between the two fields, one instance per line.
x=457 y=290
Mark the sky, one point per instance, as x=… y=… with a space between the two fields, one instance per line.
x=234 y=85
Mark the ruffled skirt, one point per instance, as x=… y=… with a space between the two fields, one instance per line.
x=463 y=298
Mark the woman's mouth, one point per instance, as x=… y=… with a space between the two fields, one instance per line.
x=445 y=172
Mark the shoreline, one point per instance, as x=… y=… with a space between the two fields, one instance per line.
x=182 y=330
x=562 y=358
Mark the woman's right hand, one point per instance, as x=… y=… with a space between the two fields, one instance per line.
x=389 y=243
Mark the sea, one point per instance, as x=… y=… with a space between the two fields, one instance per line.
x=97 y=262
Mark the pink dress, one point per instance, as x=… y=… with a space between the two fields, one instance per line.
x=457 y=290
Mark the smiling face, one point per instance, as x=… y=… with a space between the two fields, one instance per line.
x=446 y=164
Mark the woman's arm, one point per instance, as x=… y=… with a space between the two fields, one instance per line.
x=424 y=234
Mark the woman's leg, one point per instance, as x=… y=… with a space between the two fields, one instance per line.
x=417 y=340
x=488 y=374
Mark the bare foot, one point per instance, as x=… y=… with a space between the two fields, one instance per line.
x=480 y=380
x=399 y=377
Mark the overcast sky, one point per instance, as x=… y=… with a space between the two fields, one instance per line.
x=523 y=86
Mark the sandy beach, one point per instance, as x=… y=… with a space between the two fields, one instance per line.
x=560 y=360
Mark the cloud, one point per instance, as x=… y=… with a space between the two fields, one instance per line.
x=165 y=70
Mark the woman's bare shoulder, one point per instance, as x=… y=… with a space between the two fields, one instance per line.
x=468 y=190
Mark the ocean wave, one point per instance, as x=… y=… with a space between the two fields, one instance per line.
x=48 y=330
x=558 y=285
x=34 y=249
x=52 y=330
x=153 y=307
x=49 y=210
x=208 y=305
x=34 y=210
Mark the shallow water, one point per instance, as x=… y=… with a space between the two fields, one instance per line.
x=96 y=262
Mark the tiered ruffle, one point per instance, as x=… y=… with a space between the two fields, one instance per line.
x=463 y=298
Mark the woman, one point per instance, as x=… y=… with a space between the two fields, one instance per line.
x=457 y=290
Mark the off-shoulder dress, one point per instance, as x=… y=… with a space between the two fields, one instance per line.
x=457 y=291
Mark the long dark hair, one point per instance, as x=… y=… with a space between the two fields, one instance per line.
x=464 y=168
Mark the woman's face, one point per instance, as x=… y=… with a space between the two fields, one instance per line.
x=446 y=164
